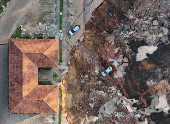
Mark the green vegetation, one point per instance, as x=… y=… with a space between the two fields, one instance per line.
x=60 y=51
x=161 y=31
x=31 y=36
x=17 y=33
x=44 y=36
x=46 y=68
x=61 y=15
x=55 y=75
x=150 y=33
x=4 y=2
x=1 y=9
x=61 y=22
x=61 y=27
x=61 y=57
x=60 y=99
x=61 y=5
x=44 y=83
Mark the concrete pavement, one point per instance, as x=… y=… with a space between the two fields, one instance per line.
x=69 y=21
x=75 y=12
x=39 y=119
x=90 y=5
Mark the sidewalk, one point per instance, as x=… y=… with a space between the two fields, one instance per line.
x=69 y=21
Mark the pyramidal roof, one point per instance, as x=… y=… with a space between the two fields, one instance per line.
x=25 y=56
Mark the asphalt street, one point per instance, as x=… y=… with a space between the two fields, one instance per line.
x=3 y=83
x=12 y=17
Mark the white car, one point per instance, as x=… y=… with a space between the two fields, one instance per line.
x=73 y=30
x=105 y=72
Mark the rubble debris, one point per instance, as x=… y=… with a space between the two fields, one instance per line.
x=133 y=38
x=108 y=108
x=155 y=22
x=143 y=50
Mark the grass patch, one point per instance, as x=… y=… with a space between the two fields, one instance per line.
x=61 y=5
x=61 y=58
x=60 y=99
x=46 y=68
x=1 y=9
x=4 y=2
x=31 y=36
x=44 y=83
x=17 y=33
x=55 y=75
x=44 y=37
x=61 y=22
x=60 y=51
x=61 y=16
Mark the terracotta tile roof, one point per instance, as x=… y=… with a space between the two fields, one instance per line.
x=30 y=73
x=40 y=60
x=49 y=99
x=33 y=106
x=33 y=45
x=51 y=54
x=41 y=92
x=15 y=89
x=25 y=56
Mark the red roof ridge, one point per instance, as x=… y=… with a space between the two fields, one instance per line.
x=41 y=54
x=18 y=109
x=49 y=94
x=49 y=106
x=47 y=50
x=29 y=59
x=22 y=100
x=29 y=93
x=16 y=106
x=50 y=45
x=44 y=88
x=51 y=91
x=31 y=44
x=49 y=59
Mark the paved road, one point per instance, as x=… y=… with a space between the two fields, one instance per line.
x=3 y=83
x=12 y=16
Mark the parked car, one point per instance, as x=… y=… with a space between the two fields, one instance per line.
x=105 y=72
x=73 y=30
